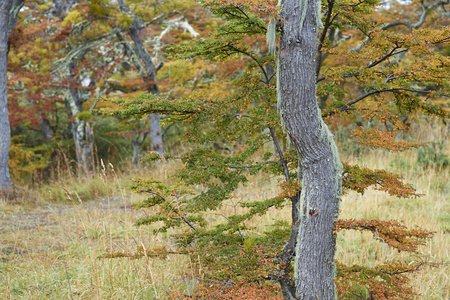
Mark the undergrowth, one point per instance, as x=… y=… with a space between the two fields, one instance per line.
x=51 y=249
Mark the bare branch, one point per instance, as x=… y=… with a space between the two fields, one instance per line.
x=94 y=105
x=254 y=58
x=386 y=56
x=280 y=154
x=326 y=26
x=373 y=92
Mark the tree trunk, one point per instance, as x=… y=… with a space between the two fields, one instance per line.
x=136 y=152
x=137 y=144
x=8 y=18
x=321 y=168
x=47 y=129
x=155 y=134
x=150 y=79
x=83 y=134
x=5 y=131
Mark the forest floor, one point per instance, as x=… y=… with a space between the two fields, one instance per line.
x=51 y=248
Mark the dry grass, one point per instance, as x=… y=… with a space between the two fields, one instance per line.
x=49 y=249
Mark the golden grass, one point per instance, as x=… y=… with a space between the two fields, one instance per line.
x=50 y=249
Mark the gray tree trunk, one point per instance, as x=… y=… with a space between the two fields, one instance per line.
x=47 y=129
x=83 y=133
x=321 y=168
x=152 y=85
x=8 y=18
x=149 y=76
x=137 y=144
x=5 y=131
x=155 y=134
x=136 y=152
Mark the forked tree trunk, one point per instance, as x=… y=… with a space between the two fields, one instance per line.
x=8 y=18
x=321 y=168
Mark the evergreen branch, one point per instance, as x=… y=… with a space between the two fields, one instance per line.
x=231 y=222
x=174 y=209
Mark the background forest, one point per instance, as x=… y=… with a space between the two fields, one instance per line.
x=148 y=158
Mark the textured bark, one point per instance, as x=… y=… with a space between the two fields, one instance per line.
x=150 y=78
x=5 y=131
x=8 y=19
x=314 y=268
x=137 y=144
x=136 y=152
x=155 y=134
x=83 y=133
x=47 y=129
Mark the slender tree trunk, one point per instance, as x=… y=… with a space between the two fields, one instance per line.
x=136 y=152
x=5 y=131
x=47 y=130
x=314 y=267
x=150 y=78
x=137 y=144
x=155 y=133
x=83 y=133
x=8 y=18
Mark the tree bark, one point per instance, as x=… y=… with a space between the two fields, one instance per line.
x=47 y=129
x=318 y=208
x=155 y=134
x=150 y=78
x=83 y=133
x=5 y=131
x=8 y=18
x=137 y=144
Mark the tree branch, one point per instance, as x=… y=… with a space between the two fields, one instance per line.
x=283 y=276
x=280 y=154
x=328 y=22
x=252 y=57
x=375 y=63
x=174 y=209
x=386 y=56
x=373 y=92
